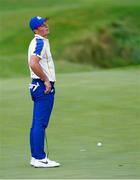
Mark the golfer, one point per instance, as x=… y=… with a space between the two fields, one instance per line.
x=42 y=90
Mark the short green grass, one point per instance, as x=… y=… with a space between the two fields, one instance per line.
x=90 y=107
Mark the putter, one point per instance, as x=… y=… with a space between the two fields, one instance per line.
x=47 y=147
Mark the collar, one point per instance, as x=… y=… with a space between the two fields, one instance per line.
x=40 y=37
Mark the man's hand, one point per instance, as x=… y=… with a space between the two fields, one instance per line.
x=48 y=87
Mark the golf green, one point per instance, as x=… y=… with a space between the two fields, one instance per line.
x=102 y=106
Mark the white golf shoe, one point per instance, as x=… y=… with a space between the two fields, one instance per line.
x=43 y=163
x=32 y=161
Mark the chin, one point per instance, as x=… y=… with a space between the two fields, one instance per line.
x=45 y=35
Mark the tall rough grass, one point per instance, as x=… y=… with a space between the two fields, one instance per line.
x=111 y=46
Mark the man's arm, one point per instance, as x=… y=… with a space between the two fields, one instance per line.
x=37 y=69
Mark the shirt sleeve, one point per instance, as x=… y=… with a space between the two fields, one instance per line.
x=39 y=48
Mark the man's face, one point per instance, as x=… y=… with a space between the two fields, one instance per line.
x=43 y=30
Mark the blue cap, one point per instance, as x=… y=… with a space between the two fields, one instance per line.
x=36 y=22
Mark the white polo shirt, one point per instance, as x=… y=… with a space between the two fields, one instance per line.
x=39 y=46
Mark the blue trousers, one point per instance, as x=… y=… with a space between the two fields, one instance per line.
x=43 y=104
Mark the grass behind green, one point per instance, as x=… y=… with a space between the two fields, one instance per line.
x=70 y=21
x=17 y=66
x=89 y=108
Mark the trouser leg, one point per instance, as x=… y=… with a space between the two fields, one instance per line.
x=41 y=115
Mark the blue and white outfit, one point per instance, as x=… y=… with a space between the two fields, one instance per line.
x=43 y=103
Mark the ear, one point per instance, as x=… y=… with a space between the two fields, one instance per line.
x=35 y=31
